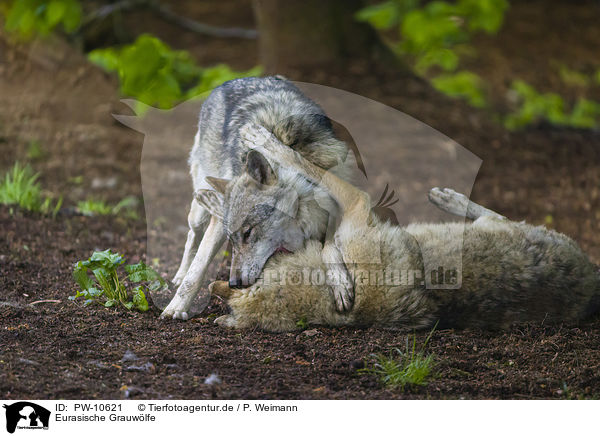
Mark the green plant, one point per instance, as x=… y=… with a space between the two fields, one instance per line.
x=535 y=107
x=21 y=188
x=91 y=207
x=573 y=77
x=463 y=84
x=434 y=35
x=431 y=32
x=150 y=71
x=403 y=368
x=27 y=18
x=34 y=150
x=302 y=323
x=101 y=279
x=384 y=16
x=585 y=114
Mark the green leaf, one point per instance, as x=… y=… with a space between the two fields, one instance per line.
x=139 y=299
x=572 y=77
x=141 y=272
x=106 y=259
x=433 y=27
x=586 y=114
x=72 y=16
x=535 y=107
x=55 y=12
x=463 y=84
x=80 y=274
x=381 y=16
x=442 y=57
x=110 y=303
x=126 y=203
x=107 y=58
x=27 y=18
x=485 y=15
x=106 y=280
x=163 y=90
x=302 y=323
x=156 y=75
x=95 y=292
x=78 y=294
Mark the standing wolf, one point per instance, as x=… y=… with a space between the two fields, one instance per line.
x=512 y=272
x=280 y=212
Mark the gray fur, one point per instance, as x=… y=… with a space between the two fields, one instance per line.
x=511 y=272
x=285 y=211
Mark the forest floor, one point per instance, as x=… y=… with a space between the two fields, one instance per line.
x=544 y=174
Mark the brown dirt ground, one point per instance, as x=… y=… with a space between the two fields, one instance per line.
x=61 y=350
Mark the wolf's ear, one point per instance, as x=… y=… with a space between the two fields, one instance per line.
x=259 y=169
x=220 y=185
x=211 y=201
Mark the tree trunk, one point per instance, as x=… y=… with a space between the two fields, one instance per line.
x=312 y=33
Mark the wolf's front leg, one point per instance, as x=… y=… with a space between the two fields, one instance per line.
x=213 y=238
x=198 y=219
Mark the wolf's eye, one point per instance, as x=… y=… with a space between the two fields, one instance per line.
x=247 y=233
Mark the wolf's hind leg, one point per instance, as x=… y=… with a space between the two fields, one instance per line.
x=458 y=204
x=197 y=219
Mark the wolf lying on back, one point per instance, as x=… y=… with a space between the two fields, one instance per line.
x=296 y=209
x=512 y=272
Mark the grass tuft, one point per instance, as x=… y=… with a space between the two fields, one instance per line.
x=20 y=187
x=91 y=207
x=402 y=368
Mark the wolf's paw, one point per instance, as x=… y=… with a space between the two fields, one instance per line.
x=344 y=298
x=226 y=321
x=258 y=138
x=175 y=311
x=343 y=288
x=221 y=289
x=449 y=200
x=178 y=280
x=255 y=136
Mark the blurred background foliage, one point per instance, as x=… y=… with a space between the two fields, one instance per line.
x=154 y=74
x=148 y=69
x=432 y=37
x=28 y=18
